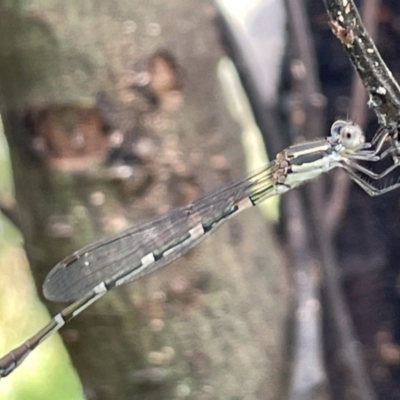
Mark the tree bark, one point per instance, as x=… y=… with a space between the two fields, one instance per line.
x=114 y=114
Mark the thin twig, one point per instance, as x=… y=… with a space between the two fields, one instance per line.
x=309 y=379
x=341 y=183
x=313 y=101
x=351 y=352
x=324 y=239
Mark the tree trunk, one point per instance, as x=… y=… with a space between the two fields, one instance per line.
x=114 y=114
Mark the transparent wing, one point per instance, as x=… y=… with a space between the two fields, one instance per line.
x=109 y=260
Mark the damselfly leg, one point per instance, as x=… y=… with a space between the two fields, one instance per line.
x=383 y=136
x=369 y=186
x=369 y=173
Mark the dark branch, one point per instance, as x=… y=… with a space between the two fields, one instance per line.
x=383 y=90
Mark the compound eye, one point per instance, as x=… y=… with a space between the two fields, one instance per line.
x=348 y=134
x=351 y=136
x=336 y=128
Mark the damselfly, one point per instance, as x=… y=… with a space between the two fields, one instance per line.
x=89 y=273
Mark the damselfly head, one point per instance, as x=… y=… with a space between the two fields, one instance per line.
x=348 y=134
